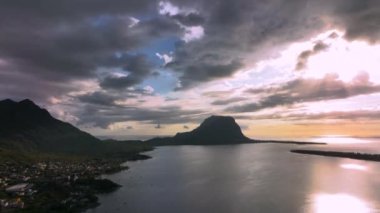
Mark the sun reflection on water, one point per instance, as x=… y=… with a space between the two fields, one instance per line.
x=354 y=166
x=334 y=203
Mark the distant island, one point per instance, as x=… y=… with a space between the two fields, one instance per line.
x=352 y=155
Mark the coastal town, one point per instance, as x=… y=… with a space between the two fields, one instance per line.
x=55 y=185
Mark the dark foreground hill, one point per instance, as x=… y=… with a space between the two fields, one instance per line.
x=213 y=130
x=24 y=126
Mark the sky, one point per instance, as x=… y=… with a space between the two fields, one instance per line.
x=135 y=69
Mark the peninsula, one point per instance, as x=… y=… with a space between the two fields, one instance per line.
x=352 y=155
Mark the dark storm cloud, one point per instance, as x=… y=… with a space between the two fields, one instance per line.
x=100 y=98
x=46 y=45
x=239 y=33
x=305 y=55
x=110 y=97
x=114 y=82
x=68 y=40
x=76 y=50
x=309 y=90
x=249 y=30
x=137 y=67
x=206 y=72
x=155 y=28
x=71 y=40
x=13 y=85
x=69 y=10
x=191 y=19
x=360 y=19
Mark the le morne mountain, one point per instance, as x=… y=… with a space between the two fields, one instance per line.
x=213 y=130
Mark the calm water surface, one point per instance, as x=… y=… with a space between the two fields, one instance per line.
x=246 y=178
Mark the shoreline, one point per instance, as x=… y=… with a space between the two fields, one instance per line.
x=136 y=157
x=58 y=185
x=351 y=155
x=239 y=143
x=292 y=142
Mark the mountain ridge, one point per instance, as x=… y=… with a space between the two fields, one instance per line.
x=24 y=126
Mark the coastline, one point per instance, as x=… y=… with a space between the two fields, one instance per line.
x=351 y=155
x=290 y=142
x=251 y=141
x=72 y=185
x=112 y=185
x=60 y=184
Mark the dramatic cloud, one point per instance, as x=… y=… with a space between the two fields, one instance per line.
x=64 y=52
x=305 y=55
x=342 y=115
x=47 y=11
x=137 y=68
x=191 y=19
x=62 y=42
x=308 y=90
x=12 y=85
x=73 y=40
x=228 y=101
x=238 y=33
x=247 y=30
x=100 y=98
x=104 y=57
x=359 y=18
x=206 y=72
x=110 y=98
x=356 y=115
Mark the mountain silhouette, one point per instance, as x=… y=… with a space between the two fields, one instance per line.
x=25 y=126
x=213 y=130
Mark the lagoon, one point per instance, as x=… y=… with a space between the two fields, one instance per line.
x=245 y=178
